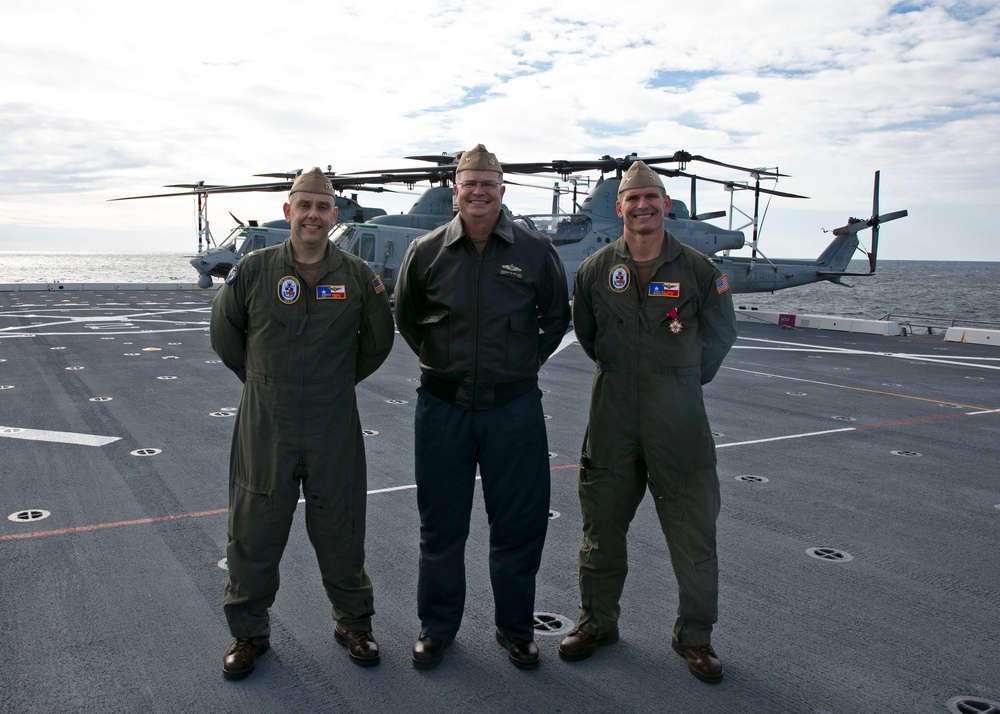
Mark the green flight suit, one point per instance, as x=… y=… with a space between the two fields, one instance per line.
x=654 y=349
x=299 y=352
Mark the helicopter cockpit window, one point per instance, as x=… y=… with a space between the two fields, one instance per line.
x=563 y=229
x=367 y=247
x=342 y=236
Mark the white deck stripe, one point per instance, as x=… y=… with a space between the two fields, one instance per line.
x=788 y=436
x=56 y=437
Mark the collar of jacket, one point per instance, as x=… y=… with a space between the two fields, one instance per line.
x=331 y=261
x=503 y=229
x=671 y=248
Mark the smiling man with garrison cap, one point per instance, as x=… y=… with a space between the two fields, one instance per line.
x=483 y=302
x=300 y=323
x=657 y=318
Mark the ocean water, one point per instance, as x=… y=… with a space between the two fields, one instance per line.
x=968 y=292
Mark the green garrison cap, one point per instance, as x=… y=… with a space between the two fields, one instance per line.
x=313 y=181
x=639 y=176
x=479 y=159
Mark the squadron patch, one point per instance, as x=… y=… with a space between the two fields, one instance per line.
x=377 y=284
x=231 y=278
x=619 y=278
x=331 y=292
x=665 y=289
x=288 y=289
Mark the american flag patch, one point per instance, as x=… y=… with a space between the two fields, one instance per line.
x=722 y=284
x=379 y=287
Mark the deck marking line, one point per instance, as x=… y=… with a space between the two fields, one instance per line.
x=802 y=347
x=568 y=339
x=57 y=437
x=914 y=421
x=99 y=526
x=786 y=437
x=859 y=389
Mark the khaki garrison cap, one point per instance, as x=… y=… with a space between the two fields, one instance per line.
x=479 y=159
x=312 y=181
x=639 y=176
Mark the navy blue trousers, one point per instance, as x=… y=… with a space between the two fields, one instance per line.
x=509 y=445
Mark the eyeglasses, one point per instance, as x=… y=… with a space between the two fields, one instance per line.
x=486 y=185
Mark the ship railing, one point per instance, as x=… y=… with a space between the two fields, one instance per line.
x=910 y=324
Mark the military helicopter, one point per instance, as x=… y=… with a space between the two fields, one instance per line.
x=578 y=235
x=382 y=239
x=595 y=223
x=216 y=259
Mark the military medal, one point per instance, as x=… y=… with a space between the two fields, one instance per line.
x=675 y=324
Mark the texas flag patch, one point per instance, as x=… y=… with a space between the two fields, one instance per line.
x=665 y=289
x=331 y=292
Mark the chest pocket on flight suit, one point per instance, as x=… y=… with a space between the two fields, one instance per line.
x=268 y=332
x=614 y=323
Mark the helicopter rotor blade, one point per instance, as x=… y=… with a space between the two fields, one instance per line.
x=200 y=184
x=673 y=173
x=709 y=216
x=872 y=256
x=683 y=157
x=744 y=187
x=444 y=159
x=855 y=225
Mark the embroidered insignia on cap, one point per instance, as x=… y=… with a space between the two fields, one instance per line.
x=665 y=289
x=722 y=284
x=288 y=289
x=232 y=276
x=618 y=279
x=379 y=287
x=331 y=292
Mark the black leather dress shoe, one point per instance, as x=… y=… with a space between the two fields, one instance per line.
x=360 y=644
x=702 y=661
x=580 y=644
x=241 y=658
x=523 y=653
x=428 y=653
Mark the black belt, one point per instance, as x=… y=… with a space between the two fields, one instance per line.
x=503 y=392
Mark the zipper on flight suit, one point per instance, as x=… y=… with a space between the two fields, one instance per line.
x=479 y=302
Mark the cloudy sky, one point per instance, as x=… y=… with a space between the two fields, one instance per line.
x=106 y=99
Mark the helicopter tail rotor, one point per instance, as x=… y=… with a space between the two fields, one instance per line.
x=855 y=225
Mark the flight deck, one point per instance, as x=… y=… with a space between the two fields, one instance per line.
x=858 y=558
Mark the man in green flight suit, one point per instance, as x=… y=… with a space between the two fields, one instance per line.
x=657 y=318
x=300 y=323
